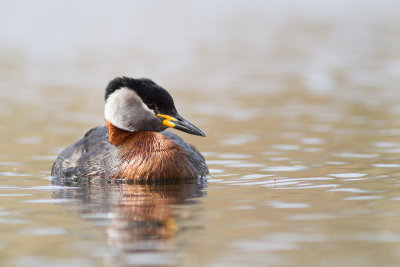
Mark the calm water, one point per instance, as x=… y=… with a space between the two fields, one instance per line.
x=299 y=101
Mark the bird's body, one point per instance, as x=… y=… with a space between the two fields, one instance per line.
x=133 y=144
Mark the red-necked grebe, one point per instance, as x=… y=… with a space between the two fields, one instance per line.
x=133 y=144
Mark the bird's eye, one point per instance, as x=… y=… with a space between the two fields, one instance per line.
x=150 y=105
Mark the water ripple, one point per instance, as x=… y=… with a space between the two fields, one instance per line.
x=286 y=147
x=312 y=141
x=350 y=190
x=310 y=216
x=364 y=198
x=285 y=168
x=254 y=176
x=383 y=165
x=234 y=156
x=44 y=231
x=355 y=155
x=246 y=165
x=47 y=201
x=287 y=205
x=29 y=140
x=385 y=144
x=348 y=175
x=14 y=174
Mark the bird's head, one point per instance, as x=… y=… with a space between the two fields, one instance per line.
x=142 y=105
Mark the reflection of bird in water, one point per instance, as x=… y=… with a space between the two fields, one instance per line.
x=145 y=214
x=140 y=217
x=134 y=144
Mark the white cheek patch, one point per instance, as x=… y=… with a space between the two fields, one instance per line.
x=126 y=110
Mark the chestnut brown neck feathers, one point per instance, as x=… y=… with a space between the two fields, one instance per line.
x=116 y=136
x=147 y=155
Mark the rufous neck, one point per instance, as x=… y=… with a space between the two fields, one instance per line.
x=116 y=136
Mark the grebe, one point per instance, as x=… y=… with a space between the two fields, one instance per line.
x=133 y=145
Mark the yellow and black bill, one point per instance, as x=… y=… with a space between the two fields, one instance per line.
x=180 y=123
